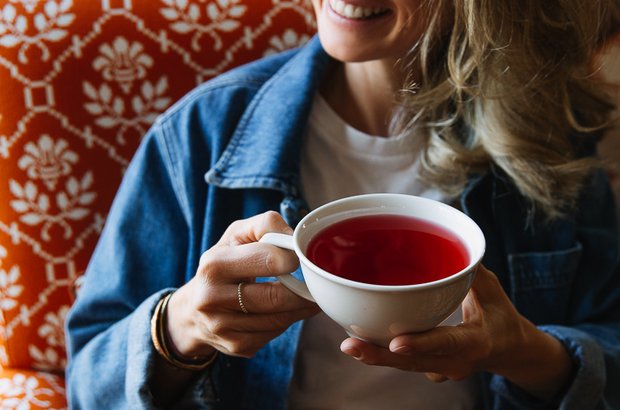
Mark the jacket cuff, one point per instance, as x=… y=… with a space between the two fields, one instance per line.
x=141 y=352
x=141 y=356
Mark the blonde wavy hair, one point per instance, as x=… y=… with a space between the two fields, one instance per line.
x=508 y=84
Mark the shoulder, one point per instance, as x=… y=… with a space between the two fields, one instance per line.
x=194 y=132
x=214 y=108
x=202 y=122
x=232 y=89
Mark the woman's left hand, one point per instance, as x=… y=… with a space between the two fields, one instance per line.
x=493 y=337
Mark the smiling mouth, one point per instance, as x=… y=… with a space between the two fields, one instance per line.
x=350 y=11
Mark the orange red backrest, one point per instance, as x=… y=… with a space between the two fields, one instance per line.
x=80 y=83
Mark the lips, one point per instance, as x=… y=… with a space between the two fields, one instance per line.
x=353 y=12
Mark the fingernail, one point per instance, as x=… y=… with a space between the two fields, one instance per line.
x=402 y=349
x=356 y=354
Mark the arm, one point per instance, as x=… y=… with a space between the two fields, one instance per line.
x=143 y=254
x=140 y=254
x=205 y=316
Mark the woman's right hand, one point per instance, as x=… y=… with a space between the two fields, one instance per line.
x=205 y=313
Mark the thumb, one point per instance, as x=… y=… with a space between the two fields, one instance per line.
x=486 y=295
x=485 y=291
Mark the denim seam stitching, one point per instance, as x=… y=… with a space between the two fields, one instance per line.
x=169 y=155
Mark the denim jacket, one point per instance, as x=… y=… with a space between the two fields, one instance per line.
x=231 y=149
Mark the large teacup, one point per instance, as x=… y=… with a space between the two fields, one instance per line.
x=379 y=312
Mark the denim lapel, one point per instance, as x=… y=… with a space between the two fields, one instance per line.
x=264 y=151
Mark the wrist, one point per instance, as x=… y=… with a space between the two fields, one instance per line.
x=182 y=329
x=162 y=343
x=539 y=364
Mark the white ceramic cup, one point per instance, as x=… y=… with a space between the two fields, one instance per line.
x=378 y=313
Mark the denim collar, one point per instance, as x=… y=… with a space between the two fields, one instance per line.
x=264 y=151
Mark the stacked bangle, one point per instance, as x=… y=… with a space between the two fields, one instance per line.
x=164 y=347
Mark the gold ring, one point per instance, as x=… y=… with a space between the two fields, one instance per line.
x=240 y=299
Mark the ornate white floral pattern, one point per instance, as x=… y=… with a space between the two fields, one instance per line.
x=186 y=17
x=36 y=207
x=111 y=111
x=10 y=289
x=47 y=160
x=21 y=392
x=123 y=62
x=47 y=360
x=29 y=5
x=49 y=25
x=289 y=39
x=53 y=328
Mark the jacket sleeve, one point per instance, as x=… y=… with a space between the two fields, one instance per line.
x=141 y=255
x=590 y=329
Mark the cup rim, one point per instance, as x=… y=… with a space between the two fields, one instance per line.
x=471 y=266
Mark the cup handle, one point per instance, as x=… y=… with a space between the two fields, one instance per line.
x=292 y=283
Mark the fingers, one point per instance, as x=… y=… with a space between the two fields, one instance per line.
x=224 y=264
x=449 y=367
x=435 y=377
x=214 y=317
x=445 y=340
x=227 y=323
x=243 y=335
x=490 y=334
x=252 y=229
x=238 y=255
x=215 y=300
x=258 y=298
x=240 y=345
x=272 y=297
x=486 y=286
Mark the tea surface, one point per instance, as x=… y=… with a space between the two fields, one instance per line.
x=388 y=250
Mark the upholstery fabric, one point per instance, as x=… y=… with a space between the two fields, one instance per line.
x=24 y=389
x=81 y=82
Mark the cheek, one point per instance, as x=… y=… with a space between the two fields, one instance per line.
x=411 y=30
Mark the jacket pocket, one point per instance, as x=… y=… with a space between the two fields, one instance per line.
x=541 y=283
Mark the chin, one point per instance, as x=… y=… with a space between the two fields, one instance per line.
x=347 y=51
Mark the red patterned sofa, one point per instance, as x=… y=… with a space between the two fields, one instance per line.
x=81 y=81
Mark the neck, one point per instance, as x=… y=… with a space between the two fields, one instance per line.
x=363 y=94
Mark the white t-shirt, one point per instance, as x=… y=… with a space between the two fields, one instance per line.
x=339 y=161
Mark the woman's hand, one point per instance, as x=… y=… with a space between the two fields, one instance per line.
x=493 y=337
x=205 y=314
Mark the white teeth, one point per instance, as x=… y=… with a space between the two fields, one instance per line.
x=348 y=11
x=353 y=12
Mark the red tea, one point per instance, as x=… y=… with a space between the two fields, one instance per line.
x=388 y=250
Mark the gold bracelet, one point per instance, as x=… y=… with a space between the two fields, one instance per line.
x=162 y=344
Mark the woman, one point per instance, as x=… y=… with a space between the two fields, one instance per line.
x=485 y=105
